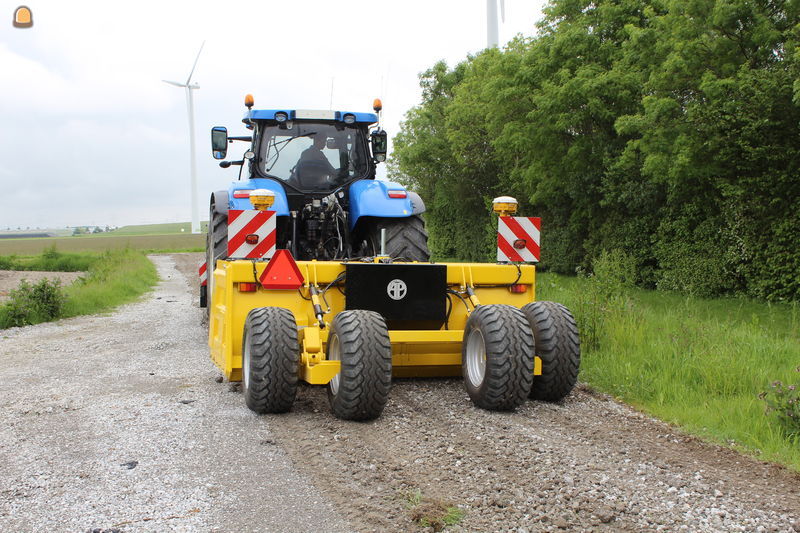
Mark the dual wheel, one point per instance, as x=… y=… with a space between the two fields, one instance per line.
x=271 y=356
x=498 y=350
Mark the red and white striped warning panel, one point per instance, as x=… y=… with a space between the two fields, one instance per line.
x=202 y=270
x=518 y=239
x=251 y=234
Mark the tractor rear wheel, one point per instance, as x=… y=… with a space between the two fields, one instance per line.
x=497 y=357
x=406 y=238
x=270 y=359
x=216 y=248
x=360 y=341
x=558 y=344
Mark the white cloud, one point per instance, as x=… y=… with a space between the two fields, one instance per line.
x=86 y=115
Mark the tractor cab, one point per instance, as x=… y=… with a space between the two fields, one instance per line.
x=320 y=168
x=309 y=153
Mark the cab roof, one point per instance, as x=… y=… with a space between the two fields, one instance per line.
x=311 y=114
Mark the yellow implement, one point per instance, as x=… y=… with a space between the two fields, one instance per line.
x=415 y=352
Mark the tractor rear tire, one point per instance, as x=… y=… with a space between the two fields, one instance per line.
x=360 y=340
x=270 y=359
x=216 y=248
x=558 y=344
x=497 y=357
x=406 y=238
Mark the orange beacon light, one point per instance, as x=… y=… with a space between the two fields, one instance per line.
x=23 y=18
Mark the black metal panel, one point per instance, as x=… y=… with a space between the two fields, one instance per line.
x=409 y=296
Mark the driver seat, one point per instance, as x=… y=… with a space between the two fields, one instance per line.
x=312 y=175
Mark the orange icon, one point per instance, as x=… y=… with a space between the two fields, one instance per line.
x=23 y=18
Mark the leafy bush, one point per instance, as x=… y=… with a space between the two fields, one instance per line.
x=33 y=303
x=606 y=125
x=605 y=294
x=113 y=278
x=784 y=401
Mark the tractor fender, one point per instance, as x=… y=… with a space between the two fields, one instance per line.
x=417 y=204
x=219 y=199
x=281 y=205
x=371 y=198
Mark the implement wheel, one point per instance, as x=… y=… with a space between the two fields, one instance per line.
x=360 y=340
x=558 y=344
x=270 y=359
x=497 y=357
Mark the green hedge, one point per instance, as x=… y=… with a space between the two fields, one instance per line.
x=668 y=129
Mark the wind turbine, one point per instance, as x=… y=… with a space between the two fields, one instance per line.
x=189 y=86
x=492 y=30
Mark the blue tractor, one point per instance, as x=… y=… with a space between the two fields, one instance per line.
x=320 y=165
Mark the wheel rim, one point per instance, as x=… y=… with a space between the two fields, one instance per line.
x=334 y=355
x=476 y=358
x=246 y=360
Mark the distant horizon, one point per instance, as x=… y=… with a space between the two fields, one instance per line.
x=62 y=228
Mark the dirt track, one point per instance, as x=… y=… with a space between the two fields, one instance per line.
x=87 y=397
x=10 y=279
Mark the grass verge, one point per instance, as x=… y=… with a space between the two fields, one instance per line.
x=698 y=363
x=118 y=277
x=112 y=278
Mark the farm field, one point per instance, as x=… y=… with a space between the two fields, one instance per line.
x=159 y=229
x=104 y=241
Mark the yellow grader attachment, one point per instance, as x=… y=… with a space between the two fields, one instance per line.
x=355 y=325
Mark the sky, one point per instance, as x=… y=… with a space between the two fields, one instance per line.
x=92 y=136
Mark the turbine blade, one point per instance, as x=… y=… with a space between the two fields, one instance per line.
x=189 y=79
x=503 y=10
x=175 y=83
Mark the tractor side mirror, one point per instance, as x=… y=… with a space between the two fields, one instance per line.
x=379 y=145
x=219 y=142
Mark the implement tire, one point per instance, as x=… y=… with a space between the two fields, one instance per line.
x=497 y=357
x=558 y=344
x=270 y=360
x=360 y=340
x=406 y=238
x=216 y=247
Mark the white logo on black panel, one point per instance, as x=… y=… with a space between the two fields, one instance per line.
x=397 y=289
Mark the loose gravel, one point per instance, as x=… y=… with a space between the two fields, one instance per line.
x=118 y=422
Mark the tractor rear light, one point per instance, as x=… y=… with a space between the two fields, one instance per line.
x=242 y=193
x=518 y=288
x=281 y=117
x=397 y=194
x=251 y=239
x=349 y=119
x=519 y=244
x=248 y=287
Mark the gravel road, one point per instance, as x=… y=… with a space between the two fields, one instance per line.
x=117 y=423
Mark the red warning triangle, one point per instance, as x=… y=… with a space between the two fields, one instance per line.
x=281 y=272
